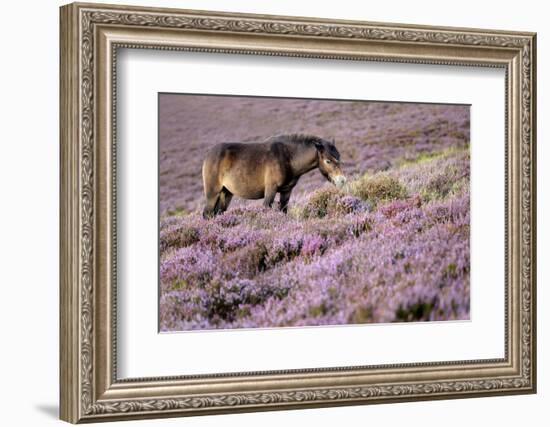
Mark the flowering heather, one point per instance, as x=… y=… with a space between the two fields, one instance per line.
x=333 y=260
x=392 y=246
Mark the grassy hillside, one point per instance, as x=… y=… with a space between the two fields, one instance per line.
x=371 y=136
x=392 y=246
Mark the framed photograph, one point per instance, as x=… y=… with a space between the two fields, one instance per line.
x=267 y=212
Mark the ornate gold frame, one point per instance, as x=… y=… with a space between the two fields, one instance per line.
x=90 y=36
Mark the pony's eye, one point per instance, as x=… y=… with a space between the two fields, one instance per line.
x=327 y=161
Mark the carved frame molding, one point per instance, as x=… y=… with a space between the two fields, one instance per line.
x=90 y=36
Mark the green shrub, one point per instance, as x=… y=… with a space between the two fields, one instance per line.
x=330 y=201
x=378 y=188
x=320 y=203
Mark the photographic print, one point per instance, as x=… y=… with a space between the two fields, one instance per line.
x=285 y=212
x=197 y=210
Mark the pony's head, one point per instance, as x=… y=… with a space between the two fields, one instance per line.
x=329 y=161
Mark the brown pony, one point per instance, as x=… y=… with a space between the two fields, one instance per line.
x=263 y=169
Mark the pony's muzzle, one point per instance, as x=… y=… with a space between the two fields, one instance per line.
x=339 y=181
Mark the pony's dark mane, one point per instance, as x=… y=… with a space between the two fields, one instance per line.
x=307 y=139
x=297 y=138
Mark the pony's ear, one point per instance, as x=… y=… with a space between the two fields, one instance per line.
x=319 y=145
x=333 y=140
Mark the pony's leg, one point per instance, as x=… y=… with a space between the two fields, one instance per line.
x=284 y=197
x=212 y=192
x=212 y=206
x=225 y=199
x=212 y=188
x=269 y=195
